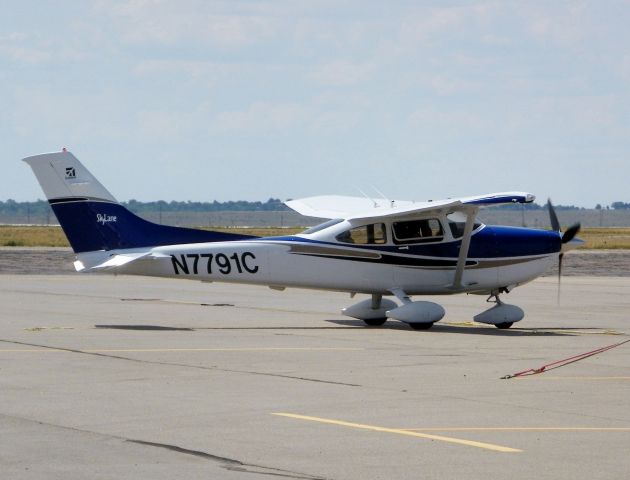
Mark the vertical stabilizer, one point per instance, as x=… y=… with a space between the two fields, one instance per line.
x=91 y=217
x=62 y=176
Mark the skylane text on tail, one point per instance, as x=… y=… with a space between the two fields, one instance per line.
x=370 y=246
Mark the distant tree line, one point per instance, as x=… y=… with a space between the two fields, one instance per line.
x=41 y=208
x=620 y=205
x=271 y=205
x=534 y=206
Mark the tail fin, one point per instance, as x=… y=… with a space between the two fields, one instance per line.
x=91 y=217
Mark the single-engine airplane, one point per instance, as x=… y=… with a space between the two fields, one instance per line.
x=370 y=246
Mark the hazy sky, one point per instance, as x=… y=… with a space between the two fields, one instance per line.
x=204 y=100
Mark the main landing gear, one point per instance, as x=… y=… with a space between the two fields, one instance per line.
x=375 y=311
x=421 y=315
x=374 y=322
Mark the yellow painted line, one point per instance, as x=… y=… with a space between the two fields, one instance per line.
x=582 y=333
x=252 y=349
x=539 y=331
x=465 y=324
x=374 y=428
x=521 y=429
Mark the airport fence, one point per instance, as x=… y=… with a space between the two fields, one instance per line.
x=529 y=218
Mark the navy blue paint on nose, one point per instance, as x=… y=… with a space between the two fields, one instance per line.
x=514 y=242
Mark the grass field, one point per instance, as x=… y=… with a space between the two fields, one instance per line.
x=605 y=238
x=48 y=236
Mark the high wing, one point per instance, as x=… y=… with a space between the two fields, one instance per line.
x=355 y=208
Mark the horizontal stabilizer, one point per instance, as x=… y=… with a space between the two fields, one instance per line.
x=100 y=262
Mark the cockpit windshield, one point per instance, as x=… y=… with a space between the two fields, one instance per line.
x=322 y=226
x=457 y=223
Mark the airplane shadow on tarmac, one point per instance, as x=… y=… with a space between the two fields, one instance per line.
x=464 y=329
x=471 y=329
x=145 y=327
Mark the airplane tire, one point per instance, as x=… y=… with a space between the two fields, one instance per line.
x=374 y=322
x=504 y=325
x=421 y=326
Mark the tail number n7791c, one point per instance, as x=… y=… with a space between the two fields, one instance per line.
x=224 y=264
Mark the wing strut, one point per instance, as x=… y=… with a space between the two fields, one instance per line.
x=463 y=249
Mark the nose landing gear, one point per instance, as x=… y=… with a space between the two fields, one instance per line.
x=501 y=315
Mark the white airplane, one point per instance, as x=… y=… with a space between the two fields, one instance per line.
x=369 y=246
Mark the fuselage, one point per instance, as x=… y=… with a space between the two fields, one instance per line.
x=324 y=259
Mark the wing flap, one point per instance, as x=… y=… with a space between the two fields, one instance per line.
x=339 y=206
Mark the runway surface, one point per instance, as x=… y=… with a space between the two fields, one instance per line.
x=125 y=377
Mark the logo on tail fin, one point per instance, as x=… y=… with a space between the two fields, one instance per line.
x=70 y=173
x=103 y=219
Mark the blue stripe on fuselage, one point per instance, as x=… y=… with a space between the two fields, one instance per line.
x=489 y=242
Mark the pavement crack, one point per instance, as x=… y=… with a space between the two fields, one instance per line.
x=230 y=463
x=227 y=463
x=73 y=350
x=305 y=379
x=184 y=365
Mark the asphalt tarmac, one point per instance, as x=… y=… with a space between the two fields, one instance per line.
x=129 y=377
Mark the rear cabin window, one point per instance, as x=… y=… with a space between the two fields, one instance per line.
x=418 y=231
x=364 y=235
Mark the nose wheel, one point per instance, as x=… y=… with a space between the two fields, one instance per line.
x=504 y=325
x=421 y=326
x=501 y=315
x=497 y=300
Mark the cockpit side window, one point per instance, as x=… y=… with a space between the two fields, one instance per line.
x=418 y=231
x=364 y=235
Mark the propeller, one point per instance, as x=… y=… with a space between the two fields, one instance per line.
x=568 y=235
